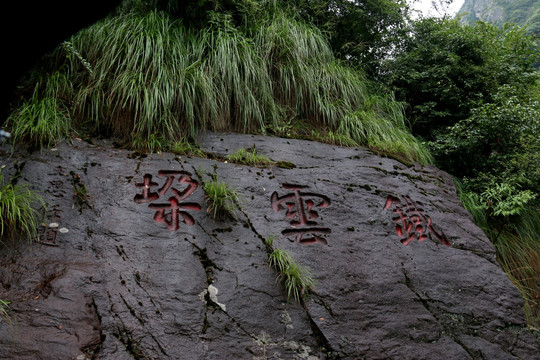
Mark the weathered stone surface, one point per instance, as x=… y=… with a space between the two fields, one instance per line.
x=119 y=285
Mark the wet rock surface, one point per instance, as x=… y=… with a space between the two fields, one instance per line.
x=137 y=269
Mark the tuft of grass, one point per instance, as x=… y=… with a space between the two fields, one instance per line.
x=4 y=306
x=221 y=200
x=184 y=147
x=40 y=122
x=249 y=157
x=153 y=143
x=17 y=210
x=296 y=278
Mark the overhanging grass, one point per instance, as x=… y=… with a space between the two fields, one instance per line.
x=142 y=75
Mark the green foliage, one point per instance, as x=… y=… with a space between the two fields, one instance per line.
x=505 y=199
x=500 y=139
x=149 y=79
x=221 y=200
x=360 y=32
x=247 y=157
x=516 y=237
x=17 y=210
x=443 y=70
x=154 y=143
x=296 y=278
x=40 y=122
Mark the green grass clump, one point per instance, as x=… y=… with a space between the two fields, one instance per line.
x=40 y=121
x=249 y=157
x=17 y=210
x=4 y=306
x=154 y=143
x=221 y=200
x=296 y=278
x=184 y=147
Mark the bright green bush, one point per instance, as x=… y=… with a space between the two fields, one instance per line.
x=443 y=70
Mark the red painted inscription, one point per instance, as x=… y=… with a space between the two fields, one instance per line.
x=411 y=221
x=171 y=212
x=301 y=210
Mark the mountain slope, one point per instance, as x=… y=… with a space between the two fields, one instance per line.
x=521 y=12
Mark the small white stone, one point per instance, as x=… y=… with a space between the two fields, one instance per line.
x=53 y=225
x=63 y=230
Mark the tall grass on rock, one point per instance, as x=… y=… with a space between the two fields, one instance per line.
x=143 y=72
x=40 y=121
x=17 y=210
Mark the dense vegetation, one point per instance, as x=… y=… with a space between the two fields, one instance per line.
x=473 y=94
x=149 y=79
x=156 y=73
x=525 y=13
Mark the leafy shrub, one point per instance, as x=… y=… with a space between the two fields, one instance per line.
x=500 y=139
x=443 y=69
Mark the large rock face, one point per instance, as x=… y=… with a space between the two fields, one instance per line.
x=138 y=269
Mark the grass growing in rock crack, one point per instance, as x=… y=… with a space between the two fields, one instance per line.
x=296 y=278
x=4 y=306
x=17 y=210
x=249 y=157
x=221 y=200
x=184 y=147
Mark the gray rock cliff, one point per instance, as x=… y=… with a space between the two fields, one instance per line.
x=138 y=270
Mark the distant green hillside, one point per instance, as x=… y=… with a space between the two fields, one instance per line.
x=498 y=12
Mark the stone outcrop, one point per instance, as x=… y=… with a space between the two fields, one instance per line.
x=131 y=266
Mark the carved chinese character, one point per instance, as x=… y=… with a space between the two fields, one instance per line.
x=171 y=212
x=301 y=211
x=411 y=221
x=171 y=218
x=147 y=195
